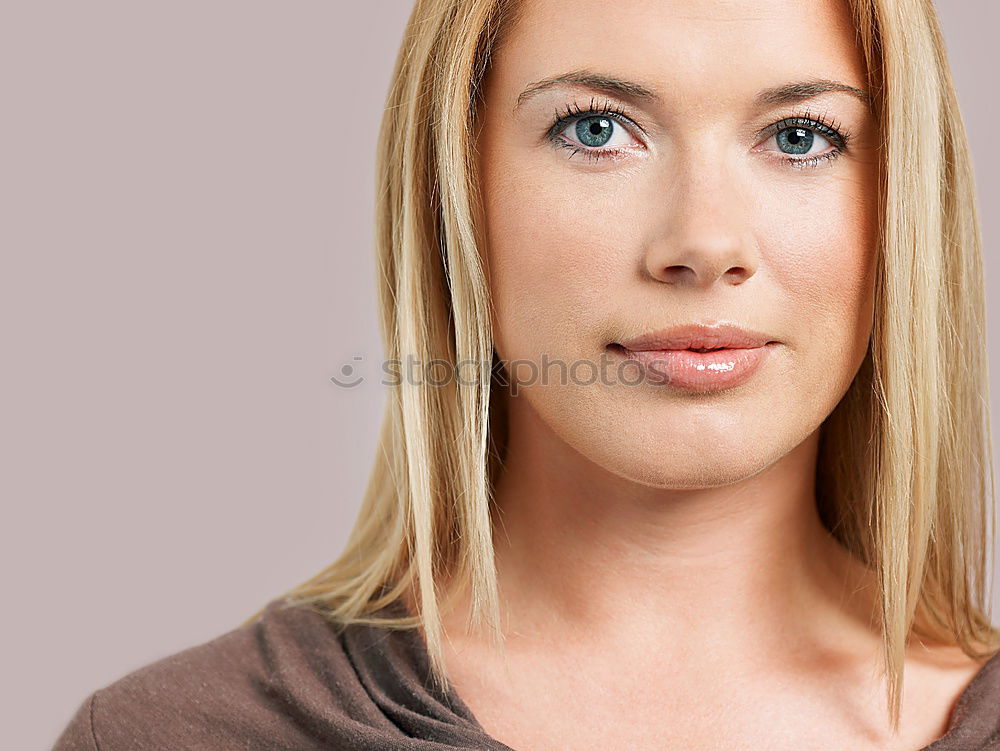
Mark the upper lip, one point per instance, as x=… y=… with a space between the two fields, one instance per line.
x=697 y=336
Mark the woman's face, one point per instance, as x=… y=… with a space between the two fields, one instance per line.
x=691 y=174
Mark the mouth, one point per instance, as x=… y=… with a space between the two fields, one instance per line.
x=698 y=358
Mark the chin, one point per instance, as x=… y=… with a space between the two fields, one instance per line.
x=673 y=446
x=686 y=467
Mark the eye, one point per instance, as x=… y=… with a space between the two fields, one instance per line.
x=598 y=132
x=799 y=141
x=804 y=141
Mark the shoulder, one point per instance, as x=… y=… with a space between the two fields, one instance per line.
x=239 y=690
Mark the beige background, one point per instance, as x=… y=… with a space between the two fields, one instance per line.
x=187 y=258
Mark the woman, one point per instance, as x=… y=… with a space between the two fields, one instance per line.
x=722 y=482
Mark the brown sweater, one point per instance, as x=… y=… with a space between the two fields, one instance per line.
x=289 y=682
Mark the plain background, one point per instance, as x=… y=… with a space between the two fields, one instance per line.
x=187 y=203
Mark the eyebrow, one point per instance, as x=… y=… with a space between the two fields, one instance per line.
x=796 y=92
x=784 y=94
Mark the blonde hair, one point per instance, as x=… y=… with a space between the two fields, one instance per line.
x=902 y=478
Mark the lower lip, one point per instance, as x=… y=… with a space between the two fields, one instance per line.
x=701 y=371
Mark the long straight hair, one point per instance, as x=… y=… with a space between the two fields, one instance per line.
x=905 y=475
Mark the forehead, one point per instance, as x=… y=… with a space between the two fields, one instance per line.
x=695 y=51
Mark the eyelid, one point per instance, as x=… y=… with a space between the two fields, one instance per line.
x=562 y=126
x=821 y=122
x=614 y=112
x=828 y=128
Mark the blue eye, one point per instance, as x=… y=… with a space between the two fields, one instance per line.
x=596 y=131
x=797 y=140
x=806 y=141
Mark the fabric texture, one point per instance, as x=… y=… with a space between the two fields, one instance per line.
x=291 y=681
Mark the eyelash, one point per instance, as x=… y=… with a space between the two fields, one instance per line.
x=830 y=129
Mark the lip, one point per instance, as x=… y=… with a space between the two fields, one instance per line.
x=666 y=357
x=698 y=335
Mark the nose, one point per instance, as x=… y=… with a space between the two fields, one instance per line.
x=703 y=232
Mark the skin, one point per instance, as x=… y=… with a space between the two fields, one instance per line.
x=666 y=580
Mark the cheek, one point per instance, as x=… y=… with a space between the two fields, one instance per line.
x=820 y=246
x=560 y=250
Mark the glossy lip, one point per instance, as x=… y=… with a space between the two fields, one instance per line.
x=666 y=357
x=698 y=335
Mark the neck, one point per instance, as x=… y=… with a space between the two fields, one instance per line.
x=582 y=551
